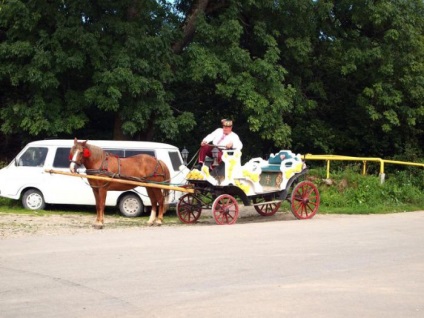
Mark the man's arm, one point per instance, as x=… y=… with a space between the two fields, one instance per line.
x=210 y=137
x=237 y=144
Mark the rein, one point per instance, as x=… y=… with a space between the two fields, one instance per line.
x=193 y=158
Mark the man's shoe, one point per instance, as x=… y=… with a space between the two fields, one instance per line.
x=197 y=166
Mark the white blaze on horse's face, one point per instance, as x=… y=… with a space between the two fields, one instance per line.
x=73 y=165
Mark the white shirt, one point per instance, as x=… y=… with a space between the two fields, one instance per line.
x=220 y=139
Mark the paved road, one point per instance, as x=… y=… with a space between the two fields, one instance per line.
x=331 y=266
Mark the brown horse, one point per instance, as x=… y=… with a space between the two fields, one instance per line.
x=143 y=168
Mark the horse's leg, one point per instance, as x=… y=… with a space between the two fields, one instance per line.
x=96 y=197
x=161 y=201
x=100 y=203
x=152 y=197
x=159 y=212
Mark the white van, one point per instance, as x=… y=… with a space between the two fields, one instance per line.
x=25 y=177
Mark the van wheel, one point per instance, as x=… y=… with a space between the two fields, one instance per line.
x=33 y=200
x=131 y=206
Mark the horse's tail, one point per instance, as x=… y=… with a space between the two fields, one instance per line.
x=167 y=179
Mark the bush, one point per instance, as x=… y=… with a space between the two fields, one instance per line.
x=349 y=191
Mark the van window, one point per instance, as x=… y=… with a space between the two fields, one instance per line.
x=33 y=157
x=175 y=160
x=129 y=153
x=61 y=159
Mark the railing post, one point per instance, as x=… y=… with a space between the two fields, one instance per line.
x=328 y=169
x=382 y=174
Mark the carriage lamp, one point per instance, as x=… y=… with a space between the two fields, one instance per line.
x=215 y=152
x=184 y=154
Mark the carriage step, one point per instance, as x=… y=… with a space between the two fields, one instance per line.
x=267 y=202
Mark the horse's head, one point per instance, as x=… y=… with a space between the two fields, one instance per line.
x=79 y=152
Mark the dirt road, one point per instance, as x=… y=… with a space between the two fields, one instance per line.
x=330 y=266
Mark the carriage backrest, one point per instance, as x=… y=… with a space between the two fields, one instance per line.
x=280 y=156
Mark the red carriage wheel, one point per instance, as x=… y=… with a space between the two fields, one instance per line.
x=305 y=200
x=189 y=208
x=267 y=208
x=225 y=209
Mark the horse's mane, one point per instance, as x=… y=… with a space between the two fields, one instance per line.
x=96 y=152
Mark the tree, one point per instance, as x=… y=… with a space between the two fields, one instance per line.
x=231 y=70
x=341 y=76
x=368 y=69
x=66 y=63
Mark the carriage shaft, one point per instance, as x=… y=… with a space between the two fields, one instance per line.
x=107 y=179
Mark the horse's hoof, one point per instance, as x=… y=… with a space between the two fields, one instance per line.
x=150 y=223
x=98 y=226
x=158 y=223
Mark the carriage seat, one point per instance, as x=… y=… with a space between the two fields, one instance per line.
x=279 y=157
x=275 y=160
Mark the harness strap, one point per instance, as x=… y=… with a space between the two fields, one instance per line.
x=104 y=170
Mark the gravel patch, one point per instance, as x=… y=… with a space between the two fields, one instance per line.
x=18 y=225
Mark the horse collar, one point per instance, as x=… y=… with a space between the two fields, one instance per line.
x=105 y=161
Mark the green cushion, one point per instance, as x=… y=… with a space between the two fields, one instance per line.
x=277 y=159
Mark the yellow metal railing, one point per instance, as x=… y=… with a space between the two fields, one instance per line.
x=329 y=158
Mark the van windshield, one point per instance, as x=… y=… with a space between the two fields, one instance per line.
x=33 y=157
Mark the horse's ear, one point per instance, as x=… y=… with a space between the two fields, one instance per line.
x=83 y=143
x=75 y=141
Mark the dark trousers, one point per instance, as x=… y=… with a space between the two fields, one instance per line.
x=206 y=150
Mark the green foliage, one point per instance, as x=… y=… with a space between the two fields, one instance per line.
x=249 y=79
x=60 y=63
x=11 y=205
x=356 y=74
x=353 y=193
x=317 y=76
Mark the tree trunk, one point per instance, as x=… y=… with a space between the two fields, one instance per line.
x=189 y=25
x=118 y=134
x=147 y=133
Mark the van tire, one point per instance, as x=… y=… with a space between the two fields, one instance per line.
x=131 y=206
x=33 y=199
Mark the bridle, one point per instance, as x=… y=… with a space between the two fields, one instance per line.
x=84 y=154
